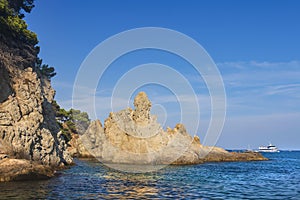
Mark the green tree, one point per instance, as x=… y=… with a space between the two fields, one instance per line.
x=45 y=70
x=71 y=122
x=19 y=5
x=11 y=20
x=61 y=114
x=12 y=26
x=80 y=120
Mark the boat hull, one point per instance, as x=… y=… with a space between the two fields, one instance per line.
x=268 y=151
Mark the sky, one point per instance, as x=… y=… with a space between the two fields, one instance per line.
x=255 y=45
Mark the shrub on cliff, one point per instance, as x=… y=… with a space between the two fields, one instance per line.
x=72 y=121
x=45 y=69
x=13 y=27
x=11 y=20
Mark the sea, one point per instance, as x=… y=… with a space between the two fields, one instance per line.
x=277 y=178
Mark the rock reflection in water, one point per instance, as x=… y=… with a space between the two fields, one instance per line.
x=137 y=186
x=24 y=190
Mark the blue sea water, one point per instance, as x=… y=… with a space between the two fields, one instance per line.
x=278 y=178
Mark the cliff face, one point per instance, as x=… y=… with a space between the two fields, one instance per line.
x=28 y=128
x=135 y=137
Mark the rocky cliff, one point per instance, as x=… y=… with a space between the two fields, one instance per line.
x=28 y=129
x=133 y=136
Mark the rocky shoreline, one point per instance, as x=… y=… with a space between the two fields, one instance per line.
x=32 y=143
x=13 y=168
x=21 y=169
x=116 y=144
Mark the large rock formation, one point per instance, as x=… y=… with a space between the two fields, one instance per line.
x=135 y=137
x=28 y=128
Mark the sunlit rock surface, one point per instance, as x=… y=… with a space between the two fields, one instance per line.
x=28 y=128
x=133 y=136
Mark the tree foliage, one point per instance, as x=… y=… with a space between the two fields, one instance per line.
x=11 y=20
x=19 y=5
x=12 y=26
x=71 y=121
x=45 y=69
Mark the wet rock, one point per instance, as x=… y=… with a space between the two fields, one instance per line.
x=21 y=169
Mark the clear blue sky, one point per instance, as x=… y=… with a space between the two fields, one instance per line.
x=255 y=45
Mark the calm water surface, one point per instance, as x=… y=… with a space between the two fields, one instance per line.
x=278 y=178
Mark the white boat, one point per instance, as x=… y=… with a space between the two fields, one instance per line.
x=270 y=148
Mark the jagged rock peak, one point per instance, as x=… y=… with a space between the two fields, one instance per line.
x=142 y=104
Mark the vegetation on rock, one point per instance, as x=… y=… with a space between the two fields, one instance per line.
x=45 y=69
x=11 y=20
x=31 y=144
x=13 y=27
x=71 y=121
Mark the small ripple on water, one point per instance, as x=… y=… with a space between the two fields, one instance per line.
x=278 y=178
